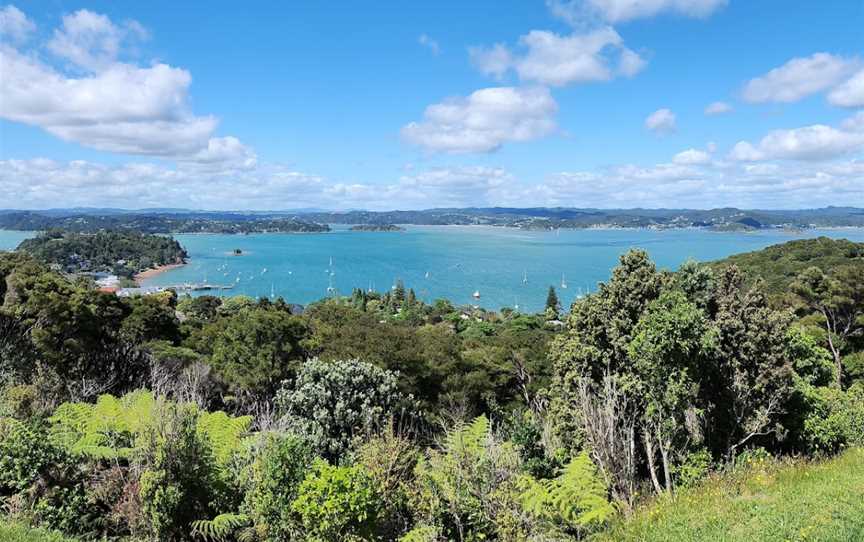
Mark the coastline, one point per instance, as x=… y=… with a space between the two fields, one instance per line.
x=150 y=273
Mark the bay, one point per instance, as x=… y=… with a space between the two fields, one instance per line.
x=9 y=240
x=450 y=262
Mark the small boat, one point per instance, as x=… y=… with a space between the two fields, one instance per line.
x=427 y=274
x=563 y=282
x=476 y=294
x=263 y=270
x=525 y=277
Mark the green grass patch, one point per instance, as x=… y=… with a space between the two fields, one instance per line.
x=767 y=501
x=11 y=531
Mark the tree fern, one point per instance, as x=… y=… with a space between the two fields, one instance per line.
x=577 y=497
x=224 y=433
x=223 y=527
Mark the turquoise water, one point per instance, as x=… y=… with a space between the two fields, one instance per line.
x=9 y=240
x=458 y=260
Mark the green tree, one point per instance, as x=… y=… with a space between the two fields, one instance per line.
x=256 y=349
x=671 y=348
x=553 y=306
x=839 y=299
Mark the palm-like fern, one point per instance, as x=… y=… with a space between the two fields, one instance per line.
x=577 y=497
x=224 y=527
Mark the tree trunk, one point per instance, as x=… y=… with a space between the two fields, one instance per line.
x=649 y=453
x=664 y=454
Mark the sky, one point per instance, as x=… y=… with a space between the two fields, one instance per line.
x=413 y=105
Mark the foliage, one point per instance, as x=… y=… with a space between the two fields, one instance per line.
x=470 y=484
x=333 y=403
x=178 y=484
x=256 y=349
x=271 y=483
x=778 y=266
x=576 y=498
x=337 y=503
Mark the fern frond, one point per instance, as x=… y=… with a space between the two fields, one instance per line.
x=219 y=528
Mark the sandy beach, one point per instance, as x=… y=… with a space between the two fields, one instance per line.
x=150 y=273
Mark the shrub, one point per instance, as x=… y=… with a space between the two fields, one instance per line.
x=271 y=482
x=334 y=403
x=337 y=503
x=178 y=485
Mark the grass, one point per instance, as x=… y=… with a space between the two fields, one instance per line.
x=17 y=532
x=768 y=501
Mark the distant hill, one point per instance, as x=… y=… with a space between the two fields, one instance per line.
x=535 y=218
x=779 y=265
x=158 y=223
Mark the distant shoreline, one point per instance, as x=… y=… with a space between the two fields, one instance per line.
x=150 y=273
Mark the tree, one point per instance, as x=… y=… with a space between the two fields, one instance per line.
x=839 y=299
x=752 y=371
x=256 y=349
x=333 y=403
x=670 y=350
x=553 y=306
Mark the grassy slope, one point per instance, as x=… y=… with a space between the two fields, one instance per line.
x=16 y=532
x=799 y=501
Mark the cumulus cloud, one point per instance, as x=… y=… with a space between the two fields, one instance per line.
x=91 y=41
x=799 y=78
x=429 y=43
x=484 y=120
x=692 y=157
x=14 y=25
x=816 y=142
x=718 y=108
x=849 y=93
x=575 y=12
x=106 y=104
x=551 y=59
x=661 y=122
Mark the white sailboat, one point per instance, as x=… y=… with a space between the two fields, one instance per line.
x=563 y=282
x=525 y=277
x=476 y=294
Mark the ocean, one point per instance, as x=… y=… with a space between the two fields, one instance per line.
x=506 y=266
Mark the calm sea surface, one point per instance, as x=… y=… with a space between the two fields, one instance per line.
x=448 y=262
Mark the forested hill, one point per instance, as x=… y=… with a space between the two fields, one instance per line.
x=779 y=265
x=121 y=252
x=158 y=222
x=183 y=221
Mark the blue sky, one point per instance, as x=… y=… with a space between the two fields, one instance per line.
x=386 y=105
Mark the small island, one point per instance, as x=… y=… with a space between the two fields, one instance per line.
x=121 y=253
x=377 y=227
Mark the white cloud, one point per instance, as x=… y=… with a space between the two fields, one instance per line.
x=14 y=25
x=91 y=41
x=816 y=142
x=661 y=122
x=108 y=105
x=630 y=63
x=799 y=78
x=692 y=157
x=575 y=12
x=493 y=61
x=849 y=93
x=555 y=60
x=429 y=43
x=718 y=108
x=855 y=123
x=36 y=183
x=485 y=120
